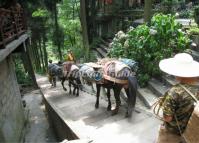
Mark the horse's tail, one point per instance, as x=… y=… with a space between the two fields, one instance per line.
x=133 y=85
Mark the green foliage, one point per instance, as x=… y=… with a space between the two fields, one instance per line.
x=40 y=13
x=194 y=31
x=170 y=6
x=22 y=76
x=196 y=14
x=149 y=44
x=186 y=13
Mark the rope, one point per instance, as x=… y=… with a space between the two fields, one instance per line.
x=189 y=92
x=157 y=106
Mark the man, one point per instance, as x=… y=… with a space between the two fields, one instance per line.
x=51 y=73
x=70 y=60
x=70 y=56
x=177 y=103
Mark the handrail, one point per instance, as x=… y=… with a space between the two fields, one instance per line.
x=12 y=25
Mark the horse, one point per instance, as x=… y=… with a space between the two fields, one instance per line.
x=130 y=91
x=72 y=75
x=130 y=87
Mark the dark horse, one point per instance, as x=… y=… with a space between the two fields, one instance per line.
x=130 y=90
x=72 y=76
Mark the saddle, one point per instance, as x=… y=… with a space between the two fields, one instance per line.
x=91 y=72
x=69 y=68
x=116 y=71
x=112 y=70
x=53 y=69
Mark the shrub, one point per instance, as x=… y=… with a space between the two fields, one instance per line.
x=194 y=31
x=22 y=76
x=149 y=44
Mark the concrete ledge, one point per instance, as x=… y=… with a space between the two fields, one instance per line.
x=59 y=125
x=12 y=46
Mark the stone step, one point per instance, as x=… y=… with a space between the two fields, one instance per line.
x=195 y=55
x=147 y=97
x=109 y=40
x=101 y=52
x=103 y=47
x=158 y=88
x=106 y=43
x=169 y=80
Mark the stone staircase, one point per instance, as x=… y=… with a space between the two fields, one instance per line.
x=156 y=87
x=102 y=48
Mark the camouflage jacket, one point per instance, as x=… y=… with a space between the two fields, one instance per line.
x=179 y=104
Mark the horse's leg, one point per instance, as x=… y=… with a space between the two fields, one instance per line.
x=69 y=81
x=54 y=81
x=62 y=83
x=74 y=87
x=92 y=87
x=109 y=99
x=98 y=86
x=117 y=90
x=77 y=87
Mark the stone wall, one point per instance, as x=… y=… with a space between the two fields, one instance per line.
x=11 y=110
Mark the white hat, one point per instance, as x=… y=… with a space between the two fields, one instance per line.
x=182 y=65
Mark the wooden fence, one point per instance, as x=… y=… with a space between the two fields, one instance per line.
x=12 y=25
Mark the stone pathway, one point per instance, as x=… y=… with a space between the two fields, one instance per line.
x=38 y=130
x=97 y=125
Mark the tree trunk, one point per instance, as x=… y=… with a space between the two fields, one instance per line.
x=45 y=53
x=147 y=10
x=37 y=57
x=29 y=67
x=57 y=31
x=83 y=19
x=41 y=55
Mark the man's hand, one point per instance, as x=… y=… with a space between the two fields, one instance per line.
x=168 y=118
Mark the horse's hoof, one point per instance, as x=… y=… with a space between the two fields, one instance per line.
x=127 y=115
x=96 y=106
x=77 y=95
x=65 y=89
x=114 y=112
x=109 y=108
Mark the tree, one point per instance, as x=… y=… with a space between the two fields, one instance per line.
x=147 y=10
x=83 y=16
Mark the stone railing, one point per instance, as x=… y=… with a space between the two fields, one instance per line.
x=12 y=25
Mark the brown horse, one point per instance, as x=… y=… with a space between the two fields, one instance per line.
x=130 y=90
x=130 y=87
